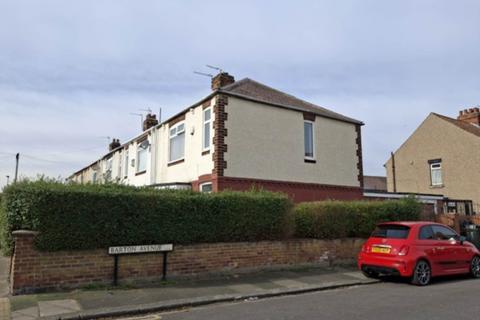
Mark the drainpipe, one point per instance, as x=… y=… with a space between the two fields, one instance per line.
x=393 y=172
x=153 y=156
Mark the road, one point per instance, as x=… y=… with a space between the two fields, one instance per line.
x=445 y=299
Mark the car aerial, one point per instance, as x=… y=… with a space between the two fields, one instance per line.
x=418 y=250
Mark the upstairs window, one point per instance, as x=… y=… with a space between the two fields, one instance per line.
x=207 y=129
x=142 y=155
x=309 y=140
x=177 y=142
x=436 y=172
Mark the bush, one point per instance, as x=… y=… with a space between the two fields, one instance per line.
x=98 y=216
x=340 y=219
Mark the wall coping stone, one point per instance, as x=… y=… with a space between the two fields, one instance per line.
x=25 y=233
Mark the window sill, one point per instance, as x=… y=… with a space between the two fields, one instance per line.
x=175 y=162
x=310 y=161
x=438 y=186
x=205 y=152
x=140 y=172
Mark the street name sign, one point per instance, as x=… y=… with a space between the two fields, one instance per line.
x=140 y=249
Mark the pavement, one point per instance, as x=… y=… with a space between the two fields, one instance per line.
x=95 y=303
x=4 y=302
x=445 y=299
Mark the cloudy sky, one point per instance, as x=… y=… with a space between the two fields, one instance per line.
x=71 y=72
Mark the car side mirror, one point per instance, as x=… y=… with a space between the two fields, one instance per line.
x=462 y=239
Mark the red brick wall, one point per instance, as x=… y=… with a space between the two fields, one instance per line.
x=35 y=271
x=298 y=192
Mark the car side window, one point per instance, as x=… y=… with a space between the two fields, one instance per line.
x=443 y=233
x=426 y=233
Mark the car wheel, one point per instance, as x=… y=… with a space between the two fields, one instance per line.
x=422 y=273
x=371 y=274
x=475 y=267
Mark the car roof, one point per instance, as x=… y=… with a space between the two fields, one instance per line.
x=409 y=223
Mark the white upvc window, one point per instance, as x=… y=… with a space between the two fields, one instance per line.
x=436 y=174
x=125 y=164
x=309 y=140
x=142 y=156
x=177 y=142
x=108 y=169
x=207 y=129
x=206 y=187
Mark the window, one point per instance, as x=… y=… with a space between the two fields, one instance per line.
x=207 y=129
x=426 y=233
x=177 y=142
x=443 y=233
x=308 y=140
x=142 y=155
x=108 y=169
x=206 y=187
x=94 y=177
x=125 y=168
x=391 y=231
x=436 y=172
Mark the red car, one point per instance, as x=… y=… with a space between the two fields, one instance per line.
x=419 y=250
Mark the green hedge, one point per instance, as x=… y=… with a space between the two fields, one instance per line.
x=337 y=219
x=97 y=216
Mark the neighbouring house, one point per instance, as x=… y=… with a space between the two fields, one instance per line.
x=441 y=157
x=377 y=183
x=243 y=134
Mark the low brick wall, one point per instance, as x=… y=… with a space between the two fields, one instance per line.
x=35 y=271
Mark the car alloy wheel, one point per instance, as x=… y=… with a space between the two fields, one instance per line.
x=422 y=273
x=475 y=267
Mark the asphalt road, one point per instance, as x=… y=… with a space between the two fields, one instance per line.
x=445 y=299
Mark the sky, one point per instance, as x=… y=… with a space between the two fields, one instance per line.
x=72 y=72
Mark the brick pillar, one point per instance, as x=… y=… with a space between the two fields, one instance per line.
x=22 y=278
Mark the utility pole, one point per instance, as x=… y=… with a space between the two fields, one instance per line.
x=17 y=158
x=8 y=179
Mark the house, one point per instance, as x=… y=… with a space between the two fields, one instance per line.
x=376 y=183
x=441 y=157
x=242 y=134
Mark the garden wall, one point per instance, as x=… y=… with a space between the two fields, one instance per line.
x=36 y=271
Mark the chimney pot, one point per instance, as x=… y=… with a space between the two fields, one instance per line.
x=150 y=121
x=114 y=144
x=221 y=80
x=471 y=115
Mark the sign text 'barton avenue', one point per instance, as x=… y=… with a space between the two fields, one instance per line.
x=141 y=249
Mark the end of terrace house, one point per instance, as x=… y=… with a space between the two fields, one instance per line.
x=242 y=134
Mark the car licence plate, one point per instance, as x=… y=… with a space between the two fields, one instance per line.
x=381 y=249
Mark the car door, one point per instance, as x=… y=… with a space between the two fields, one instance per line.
x=447 y=248
x=432 y=249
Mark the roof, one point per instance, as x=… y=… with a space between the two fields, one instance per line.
x=408 y=223
x=471 y=128
x=253 y=90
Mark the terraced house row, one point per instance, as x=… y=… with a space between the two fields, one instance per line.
x=241 y=135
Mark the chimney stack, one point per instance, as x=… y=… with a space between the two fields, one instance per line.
x=221 y=80
x=114 y=144
x=471 y=115
x=150 y=121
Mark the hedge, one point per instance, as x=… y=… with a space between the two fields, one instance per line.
x=98 y=216
x=337 y=219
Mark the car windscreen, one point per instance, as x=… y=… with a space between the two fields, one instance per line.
x=391 y=231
